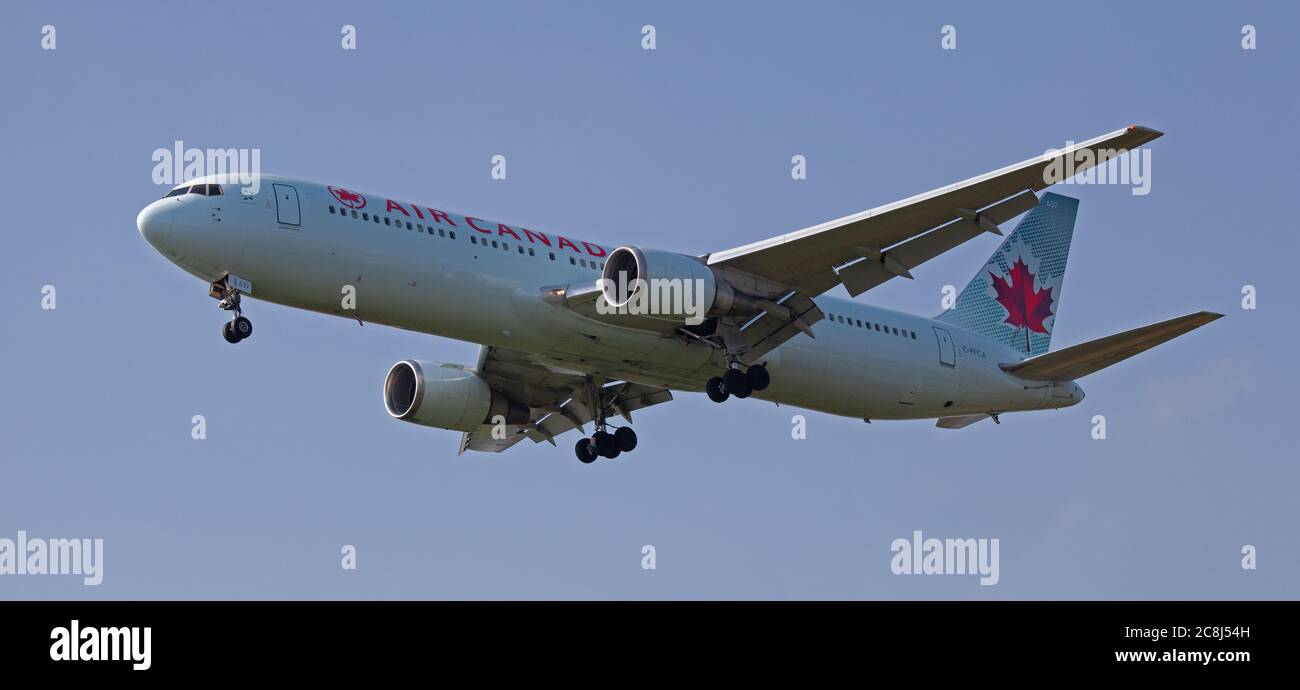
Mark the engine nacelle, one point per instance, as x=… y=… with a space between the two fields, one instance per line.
x=658 y=284
x=446 y=396
x=670 y=286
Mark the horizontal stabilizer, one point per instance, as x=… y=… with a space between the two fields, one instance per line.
x=1086 y=358
x=959 y=422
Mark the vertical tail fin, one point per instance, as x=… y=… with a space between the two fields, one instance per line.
x=1013 y=299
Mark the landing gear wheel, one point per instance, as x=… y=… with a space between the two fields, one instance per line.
x=757 y=377
x=586 y=454
x=604 y=444
x=228 y=332
x=715 y=390
x=242 y=327
x=625 y=439
x=735 y=383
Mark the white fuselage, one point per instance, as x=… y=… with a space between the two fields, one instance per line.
x=423 y=279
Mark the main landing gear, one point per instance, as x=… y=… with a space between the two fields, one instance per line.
x=239 y=327
x=738 y=383
x=734 y=381
x=604 y=443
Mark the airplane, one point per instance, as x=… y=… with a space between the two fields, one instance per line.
x=560 y=347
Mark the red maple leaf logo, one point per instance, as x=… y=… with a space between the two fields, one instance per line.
x=1026 y=308
x=348 y=198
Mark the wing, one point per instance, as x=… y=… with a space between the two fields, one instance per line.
x=868 y=248
x=806 y=259
x=558 y=399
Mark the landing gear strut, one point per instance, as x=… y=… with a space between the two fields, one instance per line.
x=604 y=443
x=738 y=383
x=239 y=327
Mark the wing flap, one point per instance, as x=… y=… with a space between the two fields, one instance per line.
x=959 y=422
x=1083 y=359
x=629 y=397
x=550 y=392
x=764 y=334
x=483 y=441
x=900 y=259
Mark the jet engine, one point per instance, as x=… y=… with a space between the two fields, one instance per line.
x=670 y=286
x=446 y=396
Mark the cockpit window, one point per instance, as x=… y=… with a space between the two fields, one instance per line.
x=202 y=189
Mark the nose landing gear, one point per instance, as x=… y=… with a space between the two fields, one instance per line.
x=239 y=327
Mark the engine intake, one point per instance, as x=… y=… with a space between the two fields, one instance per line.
x=446 y=396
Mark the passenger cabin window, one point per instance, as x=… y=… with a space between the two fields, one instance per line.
x=399 y=222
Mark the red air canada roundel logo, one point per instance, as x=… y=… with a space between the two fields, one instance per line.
x=350 y=199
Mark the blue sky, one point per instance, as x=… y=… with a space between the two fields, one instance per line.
x=688 y=148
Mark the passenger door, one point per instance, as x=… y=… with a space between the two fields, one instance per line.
x=287 y=209
x=947 y=351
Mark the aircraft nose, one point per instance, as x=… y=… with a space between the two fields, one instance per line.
x=155 y=223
